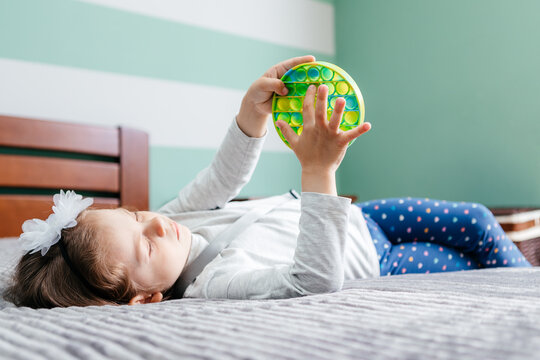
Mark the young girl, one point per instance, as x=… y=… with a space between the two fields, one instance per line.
x=304 y=246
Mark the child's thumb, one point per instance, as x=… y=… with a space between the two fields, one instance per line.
x=287 y=131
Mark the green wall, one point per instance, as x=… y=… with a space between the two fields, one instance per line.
x=172 y=168
x=452 y=89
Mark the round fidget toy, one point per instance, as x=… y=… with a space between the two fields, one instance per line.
x=289 y=107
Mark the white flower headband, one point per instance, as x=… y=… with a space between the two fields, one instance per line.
x=41 y=235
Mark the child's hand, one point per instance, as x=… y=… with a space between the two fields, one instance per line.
x=322 y=145
x=257 y=103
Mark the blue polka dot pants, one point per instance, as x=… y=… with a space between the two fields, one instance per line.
x=414 y=235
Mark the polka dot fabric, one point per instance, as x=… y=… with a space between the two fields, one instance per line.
x=414 y=235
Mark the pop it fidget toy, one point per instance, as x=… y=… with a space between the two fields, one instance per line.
x=289 y=107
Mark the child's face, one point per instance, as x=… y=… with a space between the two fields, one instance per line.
x=152 y=246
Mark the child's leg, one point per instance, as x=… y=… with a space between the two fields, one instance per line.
x=381 y=242
x=415 y=257
x=425 y=257
x=469 y=228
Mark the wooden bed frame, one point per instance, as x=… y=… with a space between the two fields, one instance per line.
x=39 y=157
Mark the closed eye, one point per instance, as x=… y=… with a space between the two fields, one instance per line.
x=137 y=218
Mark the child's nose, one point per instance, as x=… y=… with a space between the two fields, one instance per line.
x=159 y=226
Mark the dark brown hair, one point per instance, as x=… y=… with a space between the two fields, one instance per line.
x=47 y=281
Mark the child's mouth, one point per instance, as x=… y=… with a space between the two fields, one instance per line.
x=177 y=230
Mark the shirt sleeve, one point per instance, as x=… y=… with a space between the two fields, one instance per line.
x=318 y=258
x=220 y=182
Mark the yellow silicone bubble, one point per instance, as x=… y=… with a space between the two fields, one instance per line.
x=331 y=88
x=342 y=88
x=351 y=117
x=337 y=77
x=283 y=104
x=300 y=129
x=332 y=102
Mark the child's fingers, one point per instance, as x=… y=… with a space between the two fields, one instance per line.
x=321 y=105
x=356 y=132
x=273 y=85
x=337 y=114
x=287 y=131
x=308 y=108
x=284 y=66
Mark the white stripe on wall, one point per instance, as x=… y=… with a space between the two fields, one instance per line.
x=302 y=24
x=173 y=113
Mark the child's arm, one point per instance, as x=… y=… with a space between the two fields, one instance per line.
x=239 y=152
x=322 y=145
x=318 y=258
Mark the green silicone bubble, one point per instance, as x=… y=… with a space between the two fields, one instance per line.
x=300 y=75
x=289 y=108
x=301 y=89
x=296 y=119
x=327 y=74
x=292 y=89
x=295 y=104
x=285 y=116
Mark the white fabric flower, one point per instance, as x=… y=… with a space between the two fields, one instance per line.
x=41 y=235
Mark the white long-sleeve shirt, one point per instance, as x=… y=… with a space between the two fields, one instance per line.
x=301 y=247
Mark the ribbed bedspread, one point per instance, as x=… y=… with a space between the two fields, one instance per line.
x=479 y=314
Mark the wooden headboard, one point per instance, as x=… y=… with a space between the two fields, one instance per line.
x=38 y=158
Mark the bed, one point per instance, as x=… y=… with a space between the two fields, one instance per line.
x=39 y=157
x=488 y=313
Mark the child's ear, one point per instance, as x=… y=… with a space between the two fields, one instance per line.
x=145 y=299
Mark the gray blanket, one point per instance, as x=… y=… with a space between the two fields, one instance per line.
x=489 y=314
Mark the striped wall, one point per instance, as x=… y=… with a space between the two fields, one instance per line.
x=176 y=69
